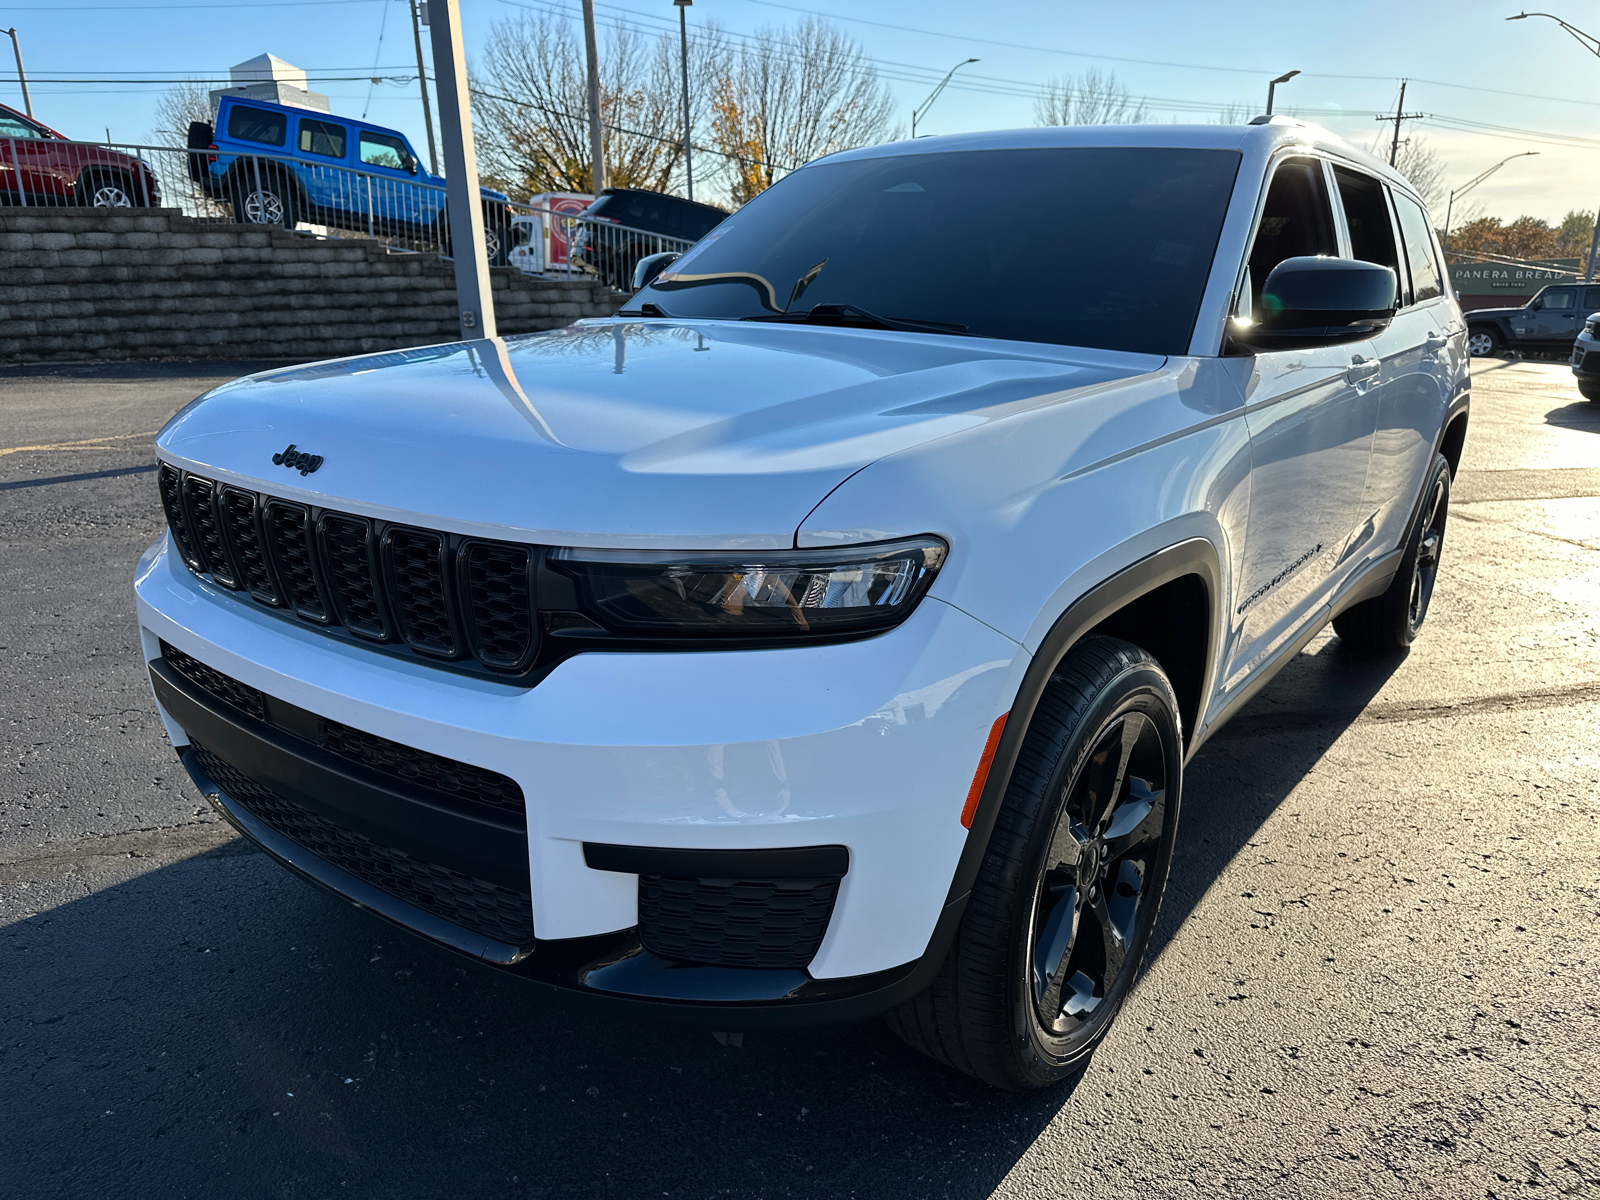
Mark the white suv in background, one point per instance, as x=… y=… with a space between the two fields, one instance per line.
x=826 y=634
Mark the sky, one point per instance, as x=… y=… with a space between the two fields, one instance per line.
x=1488 y=87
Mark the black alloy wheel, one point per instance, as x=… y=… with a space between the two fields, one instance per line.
x=1092 y=891
x=1067 y=894
x=1393 y=620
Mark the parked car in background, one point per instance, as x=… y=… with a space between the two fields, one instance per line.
x=826 y=633
x=274 y=164
x=1586 y=358
x=1545 y=324
x=643 y=223
x=40 y=166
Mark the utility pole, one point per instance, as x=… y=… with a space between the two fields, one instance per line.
x=463 y=202
x=683 y=38
x=1400 y=114
x=422 y=81
x=1272 y=87
x=22 y=76
x=597 y=145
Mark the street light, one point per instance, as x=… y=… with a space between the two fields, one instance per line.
x=1272 y=86
x=922 y=109
x=683 y=41
x=1468 y=186
x=22 y=78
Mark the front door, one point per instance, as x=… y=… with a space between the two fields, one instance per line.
x=1311 y=416
x=1553 y=316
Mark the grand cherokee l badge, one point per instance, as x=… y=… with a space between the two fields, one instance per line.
x=297 y=459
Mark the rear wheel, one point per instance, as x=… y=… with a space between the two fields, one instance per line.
x=1393 y=620
x=1482 y=341
x=263 y=201
x=1067 y=894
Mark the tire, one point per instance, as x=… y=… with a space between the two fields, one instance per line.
x=1393 y=620
x=263 y=201
x=1589 y=389
x=1006 y=1005
x=105 y=190
x=1483 y=341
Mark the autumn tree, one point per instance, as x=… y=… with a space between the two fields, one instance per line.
x=1525 y=239
x=1092 y=98
x=790 y=94
x=530 y=105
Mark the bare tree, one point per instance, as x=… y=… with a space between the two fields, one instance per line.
x=1093 y=98
x=1234 y=114
x=531 y=109
x=186 y=101
x=792 y=94
x=1419 y=162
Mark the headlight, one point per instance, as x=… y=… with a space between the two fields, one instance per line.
x=1589 y=327
x=835 y=591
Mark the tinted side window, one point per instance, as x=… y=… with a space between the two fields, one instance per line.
x=1366 y=212
x=1426 y=280
x=1591 y=299
x=257 y=125
x=1296 y=220
x=321 y=137
x=381 y=150
x=1557 y=298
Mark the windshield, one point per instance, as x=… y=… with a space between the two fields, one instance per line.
x=1106 y=247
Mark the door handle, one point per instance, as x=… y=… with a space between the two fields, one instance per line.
x=1361 y=369
x=1435 y=341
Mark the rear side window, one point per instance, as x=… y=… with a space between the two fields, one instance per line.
x=323 y=138
x=1295 y=221
x=1591 y=299
x=257 y=125
x=642 y=211
x=1427 y=282
x=1366 y=213
x=381 y=150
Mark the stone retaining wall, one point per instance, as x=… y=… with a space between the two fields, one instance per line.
x=98 y=284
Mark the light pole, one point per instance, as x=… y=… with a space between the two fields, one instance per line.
x=1468 y=186
x=922 y=109
x=1592 y=44
x=1272 y=87
x=22 y=78
x=683 y=42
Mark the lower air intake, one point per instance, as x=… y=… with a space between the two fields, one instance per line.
x=773 y=923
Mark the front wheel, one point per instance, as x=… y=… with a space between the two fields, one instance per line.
x=1393 y=620
x=1067 y=894
x=1482 y=342
x=105 y=191
x=1589 y=389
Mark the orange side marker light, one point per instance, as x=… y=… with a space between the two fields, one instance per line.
x=982 y=775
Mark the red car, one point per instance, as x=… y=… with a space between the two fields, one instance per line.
x=47 y=168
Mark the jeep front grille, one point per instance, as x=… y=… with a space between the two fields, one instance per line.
x=417 y=591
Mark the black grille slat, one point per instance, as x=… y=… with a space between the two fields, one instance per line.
x=416 y=562
x=288 y=530
x=476 y=904
x=170 y=482
x=237 y=510
x=200 y=503
x=500 y=600
x=420 y=769
x=347 y=549
x=771 y=923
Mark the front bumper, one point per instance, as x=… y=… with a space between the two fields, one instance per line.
x=1586 y=358
x=869 y=746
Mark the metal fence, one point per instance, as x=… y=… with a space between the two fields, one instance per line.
x=295 y=191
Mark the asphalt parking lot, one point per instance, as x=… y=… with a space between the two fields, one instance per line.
x=1377 y=972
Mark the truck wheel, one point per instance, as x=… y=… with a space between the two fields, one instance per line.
x=1589 y=389
x=1393 y=620
x=1482 y=341
x=1066 y=897
x=263 y=202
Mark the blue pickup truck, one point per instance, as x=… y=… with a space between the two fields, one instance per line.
x=277 y=165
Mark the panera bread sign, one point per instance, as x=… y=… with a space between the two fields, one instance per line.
x=1496 y=279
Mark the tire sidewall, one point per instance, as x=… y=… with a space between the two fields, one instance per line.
x=1408 y=565
x=1041 y=1057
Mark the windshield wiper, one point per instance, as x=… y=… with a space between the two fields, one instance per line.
x=644 y=310
x=839 y=314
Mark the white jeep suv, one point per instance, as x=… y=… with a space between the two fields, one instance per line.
x=826 y=634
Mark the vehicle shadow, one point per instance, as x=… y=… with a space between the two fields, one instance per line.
x=215 y=1026
x=1583 y=415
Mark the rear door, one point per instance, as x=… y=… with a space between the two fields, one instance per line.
x=1311 y=415
x=1555 y=317
x=321 y=147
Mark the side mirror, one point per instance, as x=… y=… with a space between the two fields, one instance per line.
x=652 y=265
x=1310 y=302
x=411 y=164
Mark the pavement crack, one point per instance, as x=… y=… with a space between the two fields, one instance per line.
x=54 y=859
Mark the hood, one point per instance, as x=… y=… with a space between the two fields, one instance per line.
x=709 y=434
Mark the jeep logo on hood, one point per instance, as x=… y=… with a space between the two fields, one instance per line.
x=297 y=460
